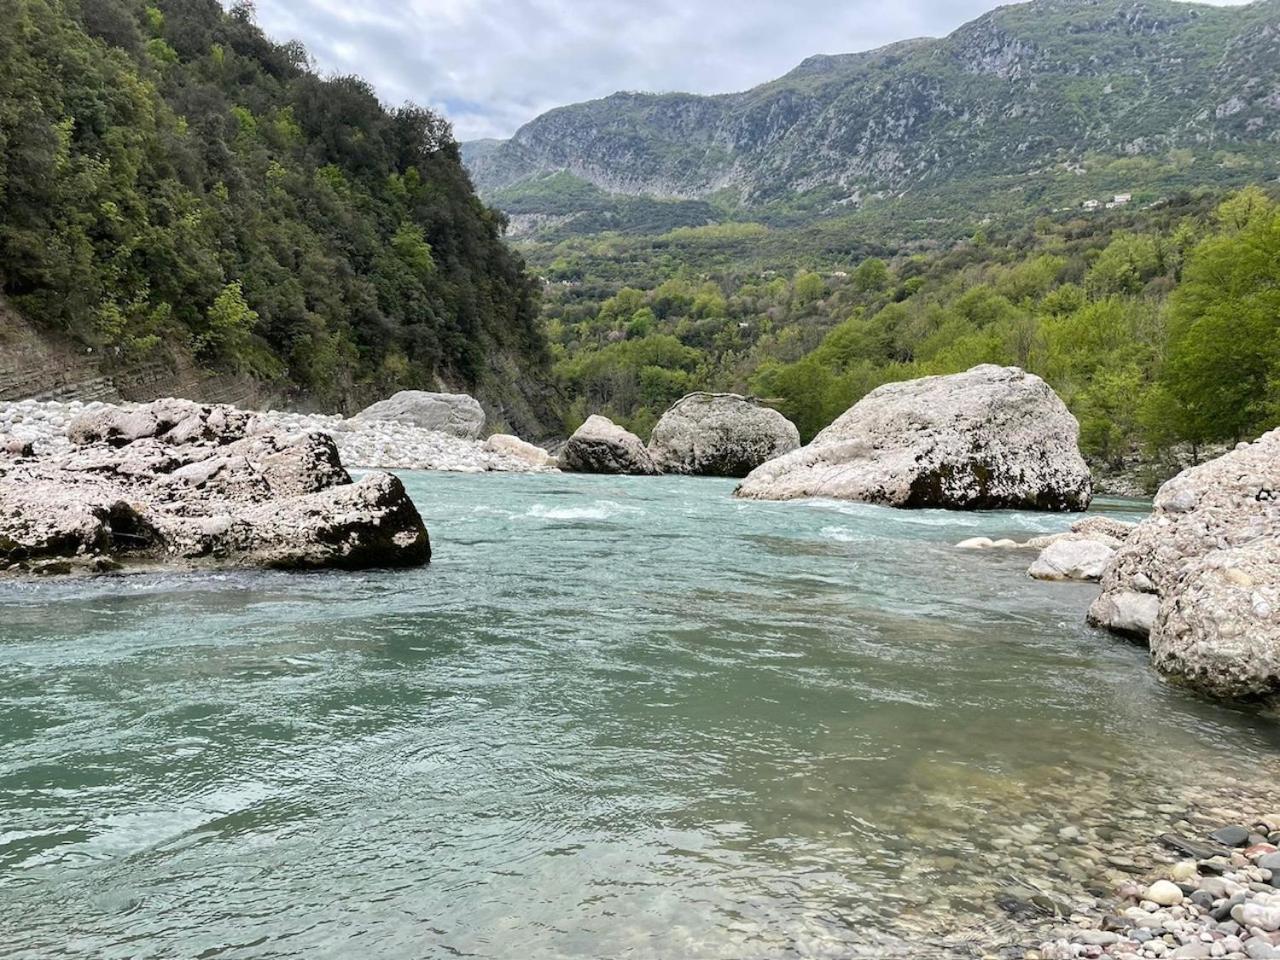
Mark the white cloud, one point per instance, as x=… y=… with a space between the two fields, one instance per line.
x=492 y=65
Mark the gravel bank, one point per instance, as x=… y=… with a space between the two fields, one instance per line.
x=369 y=444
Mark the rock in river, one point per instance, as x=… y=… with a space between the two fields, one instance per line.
x=1207 y=562
x=720 y=435
x=174 y=481
x=1071 y=559
x=989 y=438
x=601 y=446
x=456 y=414
x=512 y=446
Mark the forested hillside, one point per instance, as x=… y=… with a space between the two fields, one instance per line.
x=172 y=180
x=1033 y=105
x=1160 y=328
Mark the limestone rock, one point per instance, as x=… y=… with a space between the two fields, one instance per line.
x=13 y=447
x=1228 y=502
x=1126 y=612
x=721 y=435
x=1072 y=560
x=456 y=414
x=1106 y=529
x=1219 y=626
x=1206 y=558
x=505 y=444
x=601 y=446
x=989 y=438
x=195 y=486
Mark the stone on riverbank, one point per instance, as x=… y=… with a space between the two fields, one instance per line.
x=1206 y=559
x=989 y=438
x=180 y=482
x=372 y=444
x=720 y=435
x=456 y=414
x=601 y=446
x=1072 y=560
x=511 y=446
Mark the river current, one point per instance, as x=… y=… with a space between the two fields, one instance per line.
x=615 y=717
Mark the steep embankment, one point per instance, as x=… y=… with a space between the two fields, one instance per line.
x=181 y=195
x=1186 y=92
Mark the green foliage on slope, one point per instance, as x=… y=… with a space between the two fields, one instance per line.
x=1157 y=327
x=168 y=175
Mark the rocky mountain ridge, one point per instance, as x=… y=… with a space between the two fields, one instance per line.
x=1025 y=88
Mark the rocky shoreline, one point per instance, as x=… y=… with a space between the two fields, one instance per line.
x=1220 y=898
x=366 y=444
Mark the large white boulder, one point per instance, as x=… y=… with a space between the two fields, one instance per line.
x=456 y=414
x=720 y=435
x=601 y=446
x=990 y=438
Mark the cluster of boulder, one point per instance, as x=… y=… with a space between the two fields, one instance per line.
x=1199 y=580
x=177 y=482
x=704 y=434
x=1081 y=553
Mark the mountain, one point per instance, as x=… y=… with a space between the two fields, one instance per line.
x=185 y=203
x=1053 y=97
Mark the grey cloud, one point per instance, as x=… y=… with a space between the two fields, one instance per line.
x=491 y=65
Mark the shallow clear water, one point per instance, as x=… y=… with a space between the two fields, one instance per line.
x=616 y=717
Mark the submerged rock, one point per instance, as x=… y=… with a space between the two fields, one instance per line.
x=601 y=446
x=1206 y=560
x=989 y=438
x=720 y=435
x=180 y=482
x=456 y=414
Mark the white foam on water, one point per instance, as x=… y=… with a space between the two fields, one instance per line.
x=600 y=510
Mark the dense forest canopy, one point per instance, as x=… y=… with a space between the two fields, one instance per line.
x=171 y=177
x=1159 y=327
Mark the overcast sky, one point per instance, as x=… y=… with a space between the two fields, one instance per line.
x=492 y=65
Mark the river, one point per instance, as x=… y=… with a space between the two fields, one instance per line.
x=615 y=717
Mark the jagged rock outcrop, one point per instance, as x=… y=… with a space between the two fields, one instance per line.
x=456 y=414
x=510 y=446
x=989 y=438
x=601 y=446
x=1202 y=571
x=720 y=435
x=176 y=482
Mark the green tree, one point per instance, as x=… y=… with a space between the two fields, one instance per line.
x=1224 y=353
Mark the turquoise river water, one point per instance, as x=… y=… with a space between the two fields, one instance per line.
x=615 y=717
